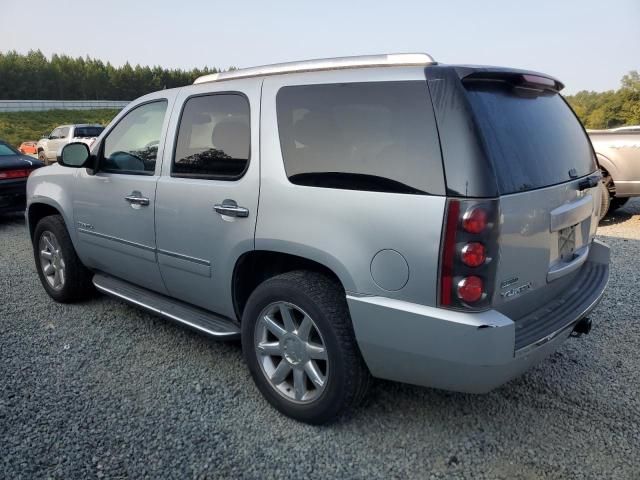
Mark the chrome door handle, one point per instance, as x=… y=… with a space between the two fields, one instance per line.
x=231 y=209
x=137 y=199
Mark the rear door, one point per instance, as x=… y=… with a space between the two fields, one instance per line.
x=543 y=165
x=207 y=197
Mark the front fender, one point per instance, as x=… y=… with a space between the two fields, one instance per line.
x=52 y=186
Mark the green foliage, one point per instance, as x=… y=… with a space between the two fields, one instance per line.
x=35 y=77
x=18 y=127
x=610 y=109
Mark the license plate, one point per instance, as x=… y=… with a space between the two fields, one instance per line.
x=567 y=243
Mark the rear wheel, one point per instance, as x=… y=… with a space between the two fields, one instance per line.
x=61 y=272
x=618 y=202
x=298 y=342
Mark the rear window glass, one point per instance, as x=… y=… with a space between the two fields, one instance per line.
x=88 y=132
x=534 y=140
x=376 y=136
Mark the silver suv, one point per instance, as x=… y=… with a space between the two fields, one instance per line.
x=381 y=216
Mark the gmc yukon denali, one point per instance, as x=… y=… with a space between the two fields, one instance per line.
x=381 y=216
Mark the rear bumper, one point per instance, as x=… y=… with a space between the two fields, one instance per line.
x=467 y=352
x=13 y=195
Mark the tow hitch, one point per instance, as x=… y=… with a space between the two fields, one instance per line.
x=582 y=327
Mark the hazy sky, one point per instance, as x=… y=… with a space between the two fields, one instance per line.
x=588 y=44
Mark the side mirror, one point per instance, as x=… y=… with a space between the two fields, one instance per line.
x=74 y=155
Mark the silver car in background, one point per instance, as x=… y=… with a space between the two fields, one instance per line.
x=382 y=216
x=618 y=153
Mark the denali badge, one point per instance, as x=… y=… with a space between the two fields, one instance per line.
x=516 y=290
x=506 y=283
x=86 y=226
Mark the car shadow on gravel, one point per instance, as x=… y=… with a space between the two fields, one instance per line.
x=621 y=215
x=616 y=217
x=10 y=219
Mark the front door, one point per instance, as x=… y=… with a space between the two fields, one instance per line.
x=114 y=208
x=207 y=197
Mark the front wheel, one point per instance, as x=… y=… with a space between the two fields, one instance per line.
x=61 y=272
x=299 y=344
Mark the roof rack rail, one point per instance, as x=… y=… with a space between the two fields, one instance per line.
x=392 y=59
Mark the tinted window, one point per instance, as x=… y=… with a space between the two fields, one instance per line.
x=213 y=137
x=6 y=150
x=132 y=145
x=88 y=132
x=377 y=136
x=534 y=140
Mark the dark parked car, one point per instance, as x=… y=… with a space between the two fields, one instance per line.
x=15 y=168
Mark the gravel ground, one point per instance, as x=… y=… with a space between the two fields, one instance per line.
x=101 y=389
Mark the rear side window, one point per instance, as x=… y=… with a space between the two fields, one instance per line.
x=376 y=136
x=213 y=138
x=88 y=132
x=533 y=139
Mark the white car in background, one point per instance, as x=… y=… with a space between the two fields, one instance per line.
x=48 y=147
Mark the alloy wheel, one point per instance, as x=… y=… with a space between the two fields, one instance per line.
x=51 y=260
x=291 y=352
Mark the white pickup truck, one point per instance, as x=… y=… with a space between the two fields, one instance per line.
x=49 y=146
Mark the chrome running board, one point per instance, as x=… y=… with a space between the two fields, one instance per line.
x=172 y=309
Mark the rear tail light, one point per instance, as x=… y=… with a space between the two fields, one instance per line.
x=473 y=254
x=20 y=173
x=470 y=289
x=475 y=220
x=468 y=254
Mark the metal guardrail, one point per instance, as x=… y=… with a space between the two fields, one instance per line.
x=41 y=105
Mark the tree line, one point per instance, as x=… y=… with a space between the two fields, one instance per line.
x=33 y=76
x=612 y=108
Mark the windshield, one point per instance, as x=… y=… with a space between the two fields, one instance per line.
x=88 y=132
x=533 y=139
x=6 y=150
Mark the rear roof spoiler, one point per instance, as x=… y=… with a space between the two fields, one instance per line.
x=522 y=78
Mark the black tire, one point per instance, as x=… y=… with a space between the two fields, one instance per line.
x=77 y=283
x=42 y=157
x=324 y=300
x=605 y=198
x=618 y=202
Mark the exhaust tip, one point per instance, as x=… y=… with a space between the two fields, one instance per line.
x=583 y=327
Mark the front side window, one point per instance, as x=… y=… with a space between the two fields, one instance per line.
x=375 y=136
x=213 y=138
x=132 y=145
x=55 y=134
x=64 y=132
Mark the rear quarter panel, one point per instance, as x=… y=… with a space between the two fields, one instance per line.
x=345 y=229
